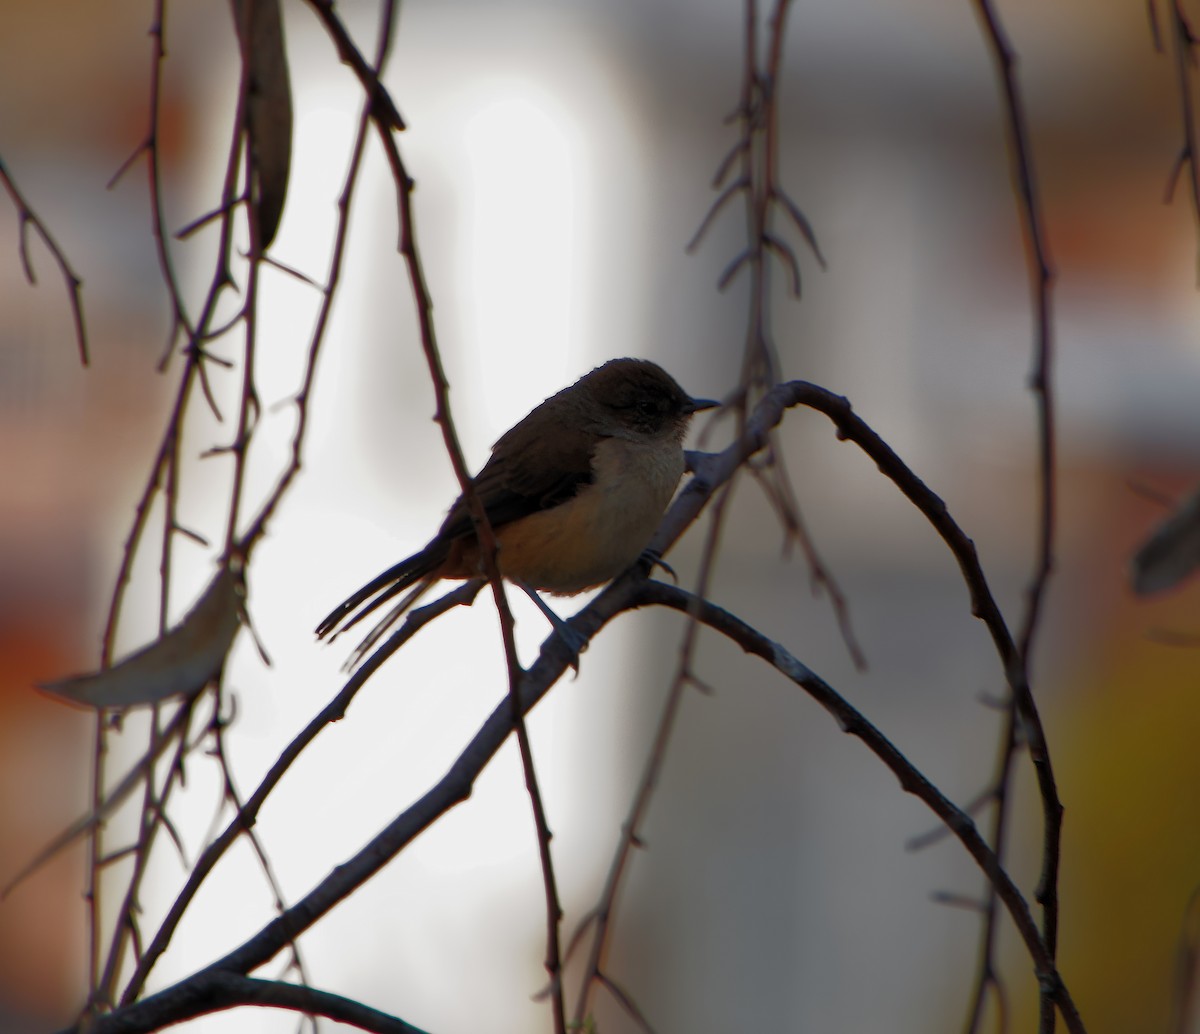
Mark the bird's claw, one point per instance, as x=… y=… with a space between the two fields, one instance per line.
x=651 y=558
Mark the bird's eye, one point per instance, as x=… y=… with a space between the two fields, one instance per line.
x=647 y=407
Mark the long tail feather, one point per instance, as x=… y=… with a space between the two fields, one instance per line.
x=385 y=586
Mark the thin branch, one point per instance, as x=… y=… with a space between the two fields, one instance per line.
x=247 y=814
x=728 y=194
x=1183 y=50
x=150 y=148
x=625 y=1001
x=96 y=816
x=259 y=524
x=217 y=728
x=29 y=218
x=601 y=916
x=631 y=590
x=213 y=991
x=164 y=477
x=387 y=122
x=154 y=810
x=382 y=108
x=1041 y=283
x=95 y=854
x=911 y=779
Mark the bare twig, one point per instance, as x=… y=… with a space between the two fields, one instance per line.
x=94 y=818
x=154 y=811
x=600 y=918
x=387 y=123
x=258 y=526
x=382 y=108
x=214 y=990
x=164 y=477
x=249 y=406
x=757 y=156
x=1041 y=282
x=150 y=148
x=217 y=730
x=850 y=721
x=247 y=814
x=1183 y=51
x=29 y=218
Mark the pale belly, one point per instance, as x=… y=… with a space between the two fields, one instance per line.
x=596 y=535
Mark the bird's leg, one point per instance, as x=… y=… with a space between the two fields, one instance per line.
x=575 y=641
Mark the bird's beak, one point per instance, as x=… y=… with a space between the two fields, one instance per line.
x=695 y=405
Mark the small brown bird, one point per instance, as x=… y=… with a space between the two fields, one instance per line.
x=573 y=492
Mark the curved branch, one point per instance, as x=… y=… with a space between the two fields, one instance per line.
x=1041 y=282
x=214 y=991
x=912 y=780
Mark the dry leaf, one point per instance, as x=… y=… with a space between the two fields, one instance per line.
x=1172 y=552
x=182 y=662
x=268 y=108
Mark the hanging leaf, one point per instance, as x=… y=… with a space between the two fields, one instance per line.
x=1172 y=552
x=268 y=109
x=181 y=663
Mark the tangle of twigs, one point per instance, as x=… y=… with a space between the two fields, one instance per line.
x=713 y=472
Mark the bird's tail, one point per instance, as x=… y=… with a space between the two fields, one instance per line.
x=417 y=570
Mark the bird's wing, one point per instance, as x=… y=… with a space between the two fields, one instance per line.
x=527 y=473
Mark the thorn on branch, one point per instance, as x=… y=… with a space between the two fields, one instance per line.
x=945 y=897
x=1175 y=174
x=1155 y=28
x=584 y=925
x=727 y=162
x=143 y=148
x=224 y=450
x=195 y=536
x=291 y=271
x=981 y=800
x=738 y=185
x=802 y=224
x=173 y=835
x=23 y=248
x=732 y=269
x=201 y=221
x=625 y=1001
x=1184 y=28
x=773 y=243
x=115 y=856
x=197 y=355
x=741 y=110
x=203 y=355
x=172 y=335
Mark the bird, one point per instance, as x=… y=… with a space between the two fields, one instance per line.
x=574 y=491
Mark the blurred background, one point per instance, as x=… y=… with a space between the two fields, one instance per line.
x=563 y=155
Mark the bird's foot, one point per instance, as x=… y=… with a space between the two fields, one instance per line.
x=652 y=558
x=575 y=641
